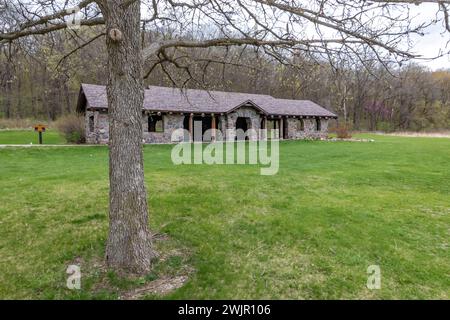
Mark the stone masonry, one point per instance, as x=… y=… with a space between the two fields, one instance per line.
x=97 y=126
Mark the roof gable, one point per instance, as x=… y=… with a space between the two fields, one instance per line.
x=248 y=103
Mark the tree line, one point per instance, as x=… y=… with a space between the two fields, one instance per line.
x=41 y=82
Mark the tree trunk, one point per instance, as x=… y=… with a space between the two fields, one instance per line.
x=9 y=81
x=8 y=97
x=19 y=111
x=67 y=96
x=129 y=247
x=45 y=98
x=32 y=93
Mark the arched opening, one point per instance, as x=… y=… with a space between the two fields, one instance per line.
x=91 y=123
x=242 y=123
x=300 y=125
x=155 y=123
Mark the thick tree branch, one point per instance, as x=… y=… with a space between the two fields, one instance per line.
x=5 y=37
x=159 y=46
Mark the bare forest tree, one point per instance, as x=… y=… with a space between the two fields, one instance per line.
x=148 y=36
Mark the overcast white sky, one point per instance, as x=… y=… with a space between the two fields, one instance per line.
x=436 y=38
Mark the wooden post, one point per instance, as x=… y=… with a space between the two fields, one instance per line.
x=191 y=127
x=39 y=128
x=281 y=129
x=213 y=127
x=264 y=127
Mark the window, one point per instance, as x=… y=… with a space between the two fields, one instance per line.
x=155 y=124
x=91 y=123
x=318 y=125
x=300 y=125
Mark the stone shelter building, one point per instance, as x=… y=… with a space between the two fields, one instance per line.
x=167 y=109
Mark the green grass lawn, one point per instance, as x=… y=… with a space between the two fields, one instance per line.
x=309 y=232
x=30 y=137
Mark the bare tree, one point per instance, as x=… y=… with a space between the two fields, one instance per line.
x=279 y=28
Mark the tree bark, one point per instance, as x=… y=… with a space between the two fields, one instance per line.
x=67 y=96
x=9 y=81
x=19 y=109
x=8 y=96
x=129 y=246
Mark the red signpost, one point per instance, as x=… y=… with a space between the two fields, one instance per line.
x=40 y=128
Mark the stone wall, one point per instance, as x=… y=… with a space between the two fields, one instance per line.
x=171 y=122
x=309 y=131
x=100 y=134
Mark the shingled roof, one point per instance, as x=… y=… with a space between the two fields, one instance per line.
x=166 y=99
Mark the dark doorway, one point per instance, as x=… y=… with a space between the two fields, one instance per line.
x=206 y=121
x=206 y=124
x=186 y=123
x=187 y=137
x=243 y=124
x=155 y=123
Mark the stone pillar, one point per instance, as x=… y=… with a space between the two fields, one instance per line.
x=231 y=126
x=264 y=127
x=223 y=126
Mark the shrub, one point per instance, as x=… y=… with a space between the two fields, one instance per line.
x=72 y=127
x=343 y=131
